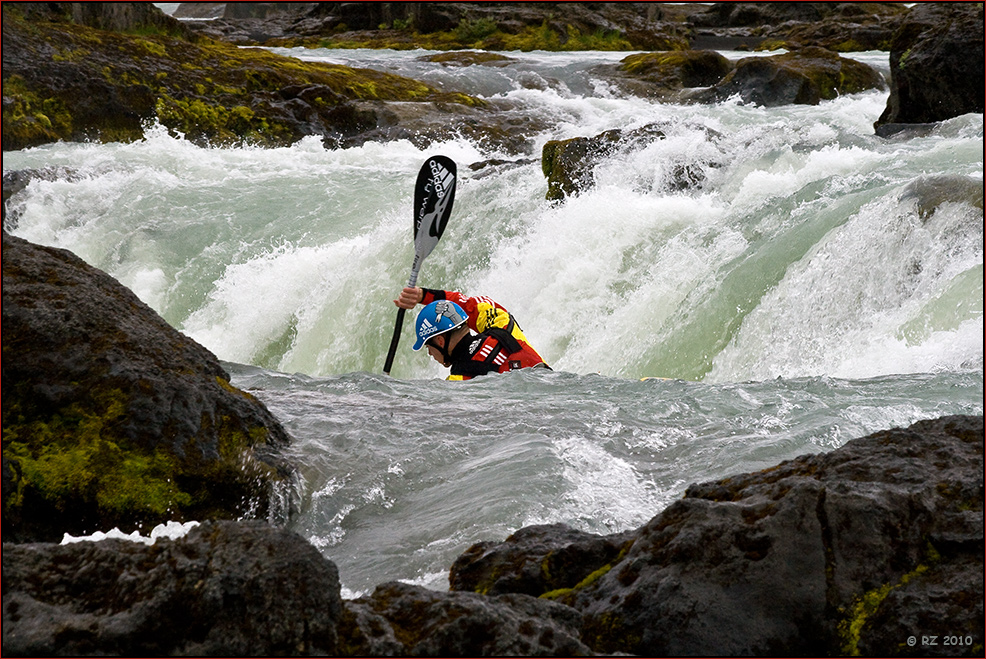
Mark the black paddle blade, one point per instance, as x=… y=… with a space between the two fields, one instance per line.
x=434 y=192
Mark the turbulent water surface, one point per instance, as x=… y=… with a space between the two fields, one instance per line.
x=816 y=284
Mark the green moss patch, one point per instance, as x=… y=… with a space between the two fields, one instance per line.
x=481 y=34
x=867 y=604
x=79 y=461
x=76 y=457
x=32 y=117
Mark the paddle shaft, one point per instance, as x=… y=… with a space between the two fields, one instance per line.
x=396 y=339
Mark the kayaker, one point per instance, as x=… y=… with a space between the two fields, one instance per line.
x=446 y=324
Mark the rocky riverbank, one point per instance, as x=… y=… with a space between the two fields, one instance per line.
x=72 y=71
x=860 y=551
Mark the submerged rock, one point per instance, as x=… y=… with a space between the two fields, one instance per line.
x=469 y=58
x=113 y=418
x=568 y=165
x=846 y=552
x=931 y=192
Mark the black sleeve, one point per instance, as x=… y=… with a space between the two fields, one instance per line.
x=435 y=293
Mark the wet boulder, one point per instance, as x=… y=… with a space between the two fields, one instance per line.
x=113 y=418
x=936 y=66
x=400 y=620
x=803 y=77
x=225 y=589
x=842 y=553
x=661 y=75
x=535 y=560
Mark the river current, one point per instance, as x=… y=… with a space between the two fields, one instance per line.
x=807 y=290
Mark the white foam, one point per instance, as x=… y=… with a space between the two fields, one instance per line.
x=170 y=530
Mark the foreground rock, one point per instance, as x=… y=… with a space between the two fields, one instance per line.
x=847 y=552
x=113 y=418
x=226 y=589
x=936 y=65
x=399 y=620
x=248 y=589
x=541 y=559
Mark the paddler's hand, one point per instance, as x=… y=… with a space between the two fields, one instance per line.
x=410 y=296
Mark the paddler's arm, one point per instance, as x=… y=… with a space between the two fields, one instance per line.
x=413 y=295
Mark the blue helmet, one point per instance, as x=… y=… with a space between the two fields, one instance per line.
x=437 y=318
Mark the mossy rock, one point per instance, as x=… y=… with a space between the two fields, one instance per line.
x=113 y=418
x=67 y=81
x=678 y=68
x=803 y=77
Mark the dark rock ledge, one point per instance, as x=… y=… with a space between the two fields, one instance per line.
x=111 y=417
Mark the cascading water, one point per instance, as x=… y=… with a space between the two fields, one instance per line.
x=815 y=283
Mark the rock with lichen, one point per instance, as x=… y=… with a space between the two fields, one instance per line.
x=66 y=80
x=113 y=418
x=840 y=553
